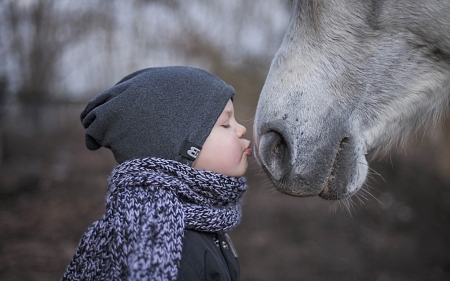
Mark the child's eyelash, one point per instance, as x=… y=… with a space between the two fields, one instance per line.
x=226 y=126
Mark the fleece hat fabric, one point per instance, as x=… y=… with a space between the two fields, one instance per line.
x=164 y=112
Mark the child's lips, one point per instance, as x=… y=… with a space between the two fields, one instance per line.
x=248 y=151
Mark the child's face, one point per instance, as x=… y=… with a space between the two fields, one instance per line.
x=225 y=151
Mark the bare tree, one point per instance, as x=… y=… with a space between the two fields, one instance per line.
x=35 y=34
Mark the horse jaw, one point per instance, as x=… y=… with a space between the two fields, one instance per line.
x=339 y=88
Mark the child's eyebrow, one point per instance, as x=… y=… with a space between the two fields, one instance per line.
x=228 y=112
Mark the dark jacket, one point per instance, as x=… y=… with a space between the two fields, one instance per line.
x=208 y=256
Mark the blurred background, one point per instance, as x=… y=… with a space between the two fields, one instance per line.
x=57 y=54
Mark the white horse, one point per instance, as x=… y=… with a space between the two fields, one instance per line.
x=350 y=77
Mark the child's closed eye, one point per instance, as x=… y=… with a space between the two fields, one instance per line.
x=226 y=126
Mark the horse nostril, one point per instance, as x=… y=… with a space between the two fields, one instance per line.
x=274 y=153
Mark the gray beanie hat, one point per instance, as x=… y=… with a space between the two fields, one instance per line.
x=165 y=112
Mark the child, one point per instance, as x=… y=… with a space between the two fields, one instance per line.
x=178 y=186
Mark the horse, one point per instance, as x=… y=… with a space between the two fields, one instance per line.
x=351 y=79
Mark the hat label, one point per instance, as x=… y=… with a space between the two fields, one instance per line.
x=193 y=152
x=190 y=150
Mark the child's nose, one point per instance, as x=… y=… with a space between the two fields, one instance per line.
x=241 y=130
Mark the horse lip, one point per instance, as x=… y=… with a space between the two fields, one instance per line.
x=325 y=193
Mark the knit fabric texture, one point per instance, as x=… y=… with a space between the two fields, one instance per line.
x=150 y=201
x=156 y=112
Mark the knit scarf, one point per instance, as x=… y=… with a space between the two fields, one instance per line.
x=150 y=201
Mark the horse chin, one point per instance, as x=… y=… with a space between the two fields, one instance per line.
x=334 y=189
x=332 y=192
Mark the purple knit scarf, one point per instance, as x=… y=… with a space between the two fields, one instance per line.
x=150 y=202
